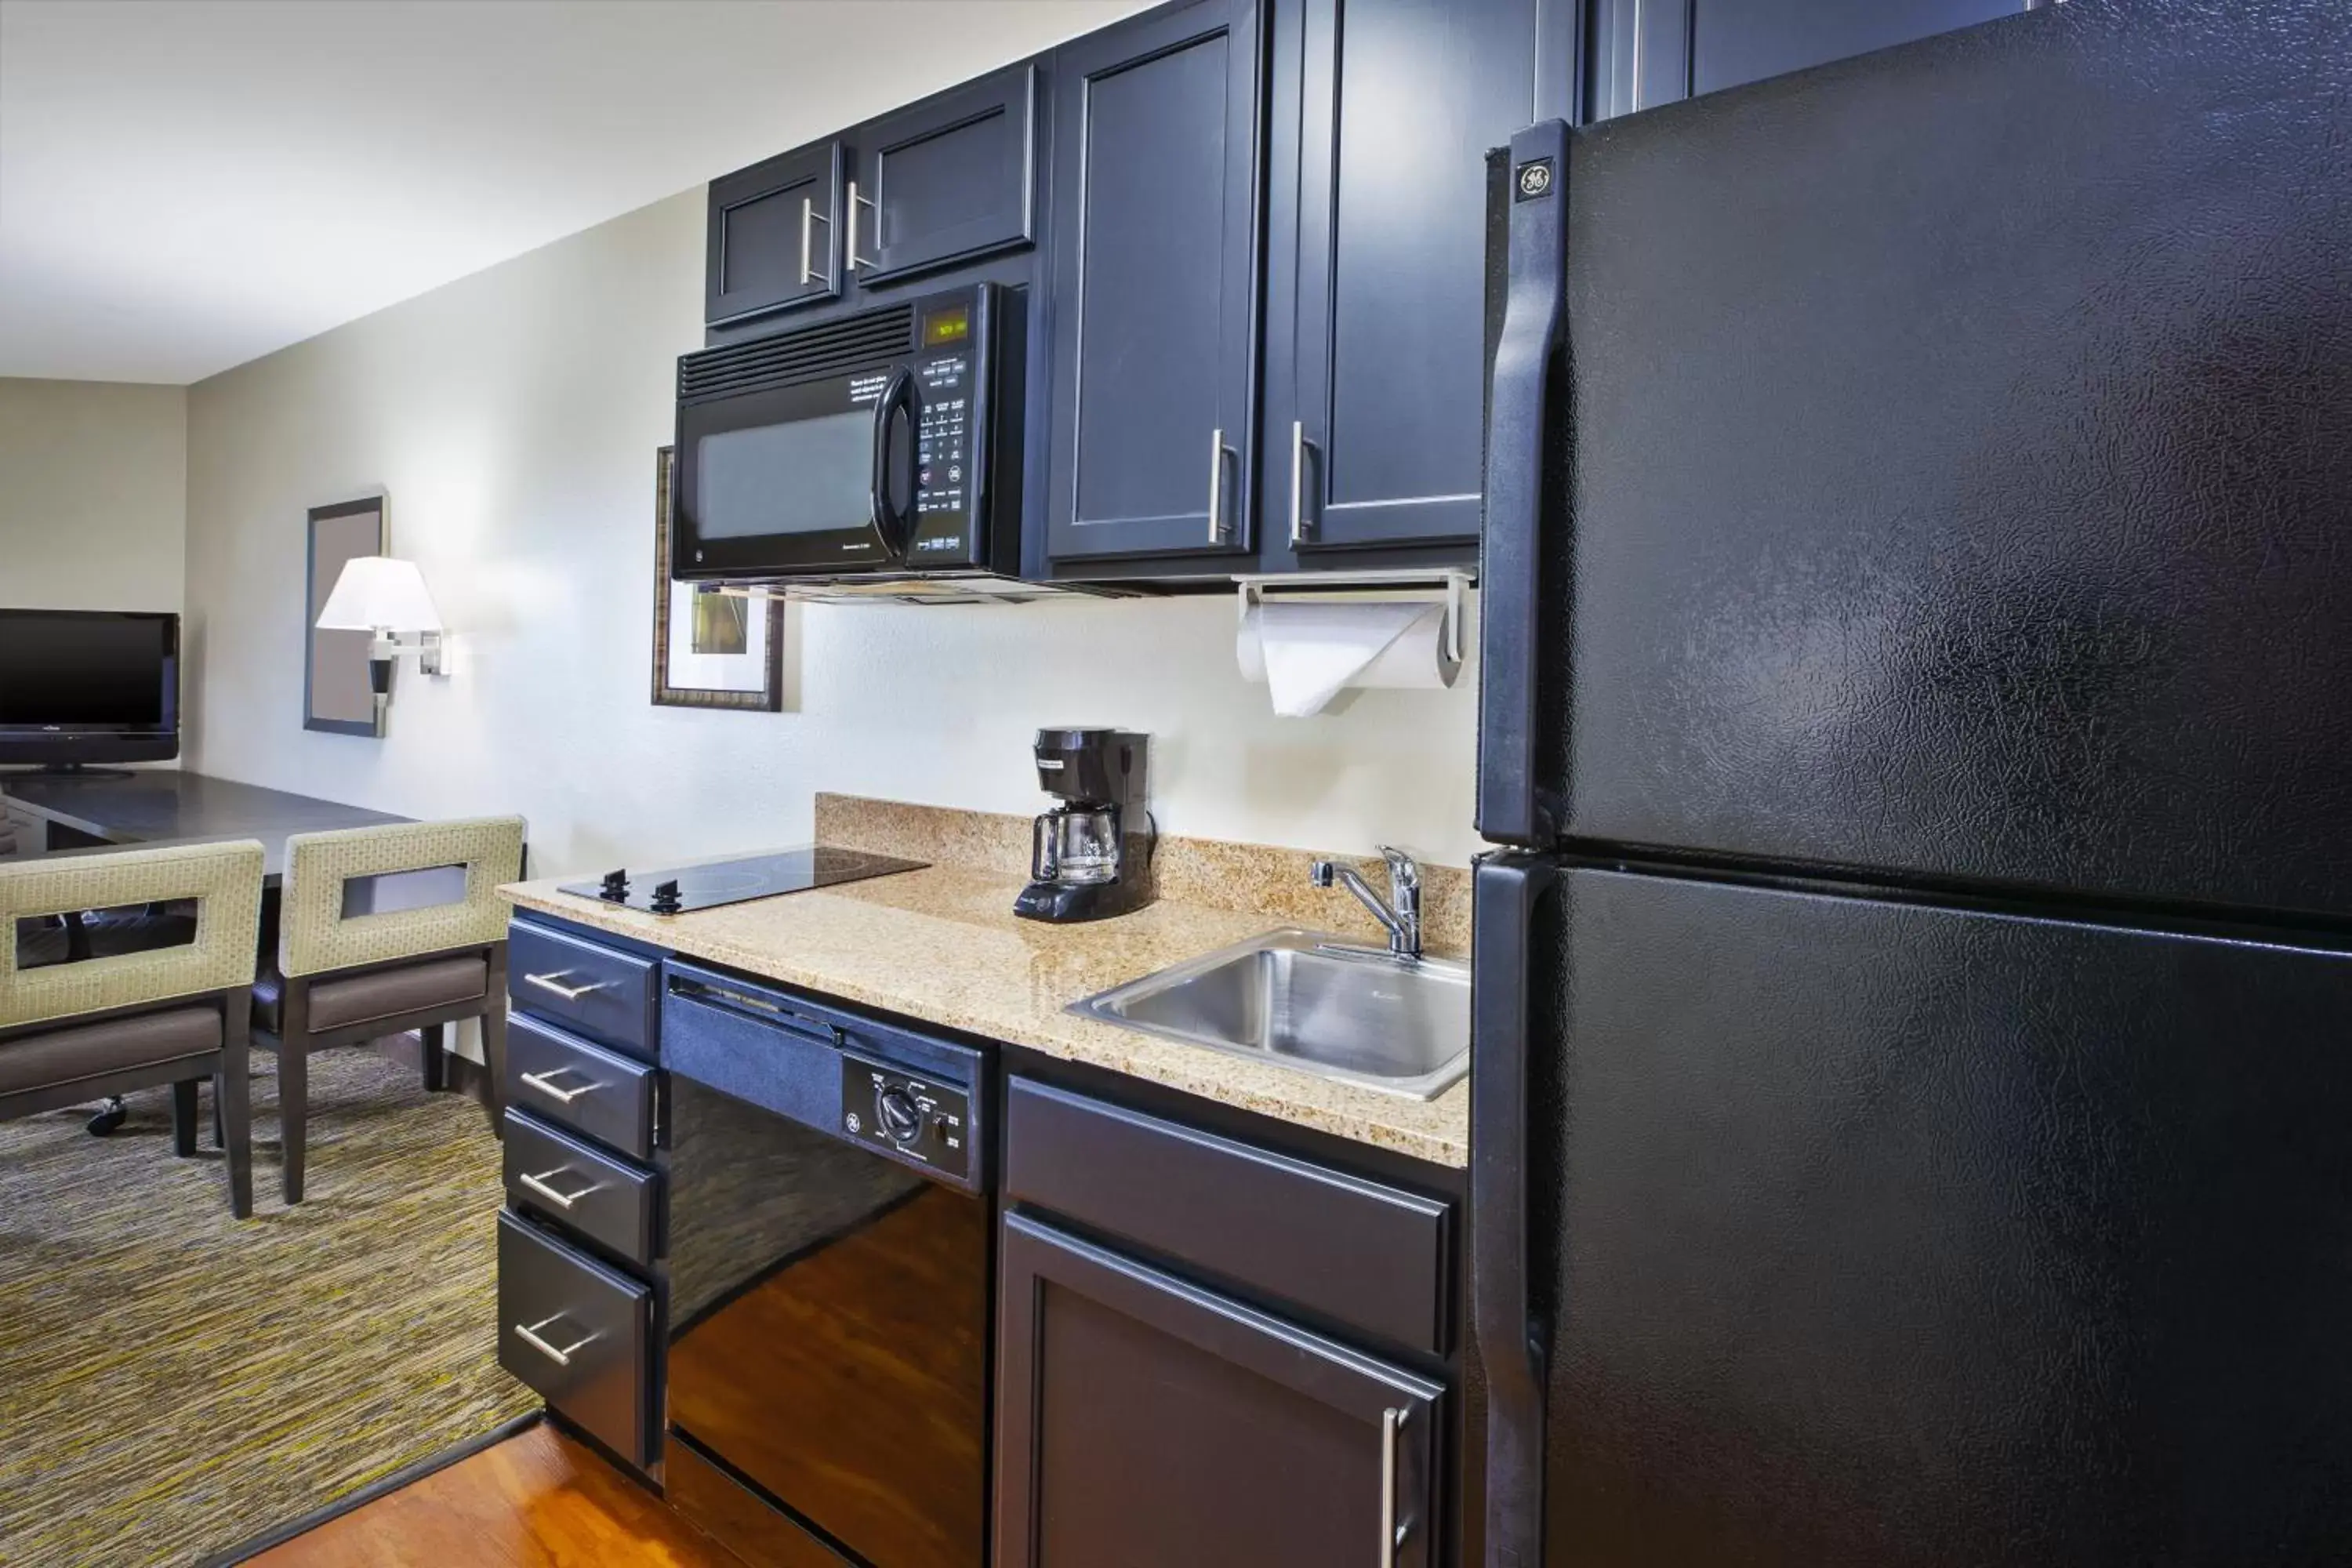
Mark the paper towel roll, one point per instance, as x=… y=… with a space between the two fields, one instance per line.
x=1307 y=654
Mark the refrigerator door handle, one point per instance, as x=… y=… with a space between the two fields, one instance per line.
x=1507 y=892
x=1518 y=419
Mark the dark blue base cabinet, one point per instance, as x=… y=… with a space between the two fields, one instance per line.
x=583 y=1280
x=1211 y=1353
x=1096 y=1322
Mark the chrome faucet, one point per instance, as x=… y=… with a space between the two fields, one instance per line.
x=1401 y=915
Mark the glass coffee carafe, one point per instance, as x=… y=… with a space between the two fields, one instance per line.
x=1076 y=846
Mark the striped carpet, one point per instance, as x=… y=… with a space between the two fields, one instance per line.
x=173 y=1382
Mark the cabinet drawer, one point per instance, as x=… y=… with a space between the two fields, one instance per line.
x=600 y=992
x=579 y=1333
x=580 y=1187
x=573 y=1084
x=1356 y=1251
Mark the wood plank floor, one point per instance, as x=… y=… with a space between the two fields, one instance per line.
x=537 y=1501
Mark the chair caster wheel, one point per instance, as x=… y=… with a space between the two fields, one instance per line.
x=113 y=1116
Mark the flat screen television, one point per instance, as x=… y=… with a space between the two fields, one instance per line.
x=85 y=687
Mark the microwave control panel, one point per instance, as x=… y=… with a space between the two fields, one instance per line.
x=949 y=442
x=943 y=447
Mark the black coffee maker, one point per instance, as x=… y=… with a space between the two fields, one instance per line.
x=1091 y=853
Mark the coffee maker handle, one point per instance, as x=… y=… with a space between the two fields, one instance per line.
x=1045 y=860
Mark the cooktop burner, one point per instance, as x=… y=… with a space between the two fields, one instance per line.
x=674 y=892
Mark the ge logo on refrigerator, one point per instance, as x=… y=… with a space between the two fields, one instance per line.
x=1535 y=179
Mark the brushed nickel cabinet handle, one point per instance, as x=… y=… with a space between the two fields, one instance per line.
x=856 y=201
x=808 y=240
x=1392 y=1533
x=545 y=1083
x=1299 y=446
x=1217 y=486
x=562 y=1357
x=554 y=983
x=539 y=1184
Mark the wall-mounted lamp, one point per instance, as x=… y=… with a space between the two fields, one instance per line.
x=380 y=594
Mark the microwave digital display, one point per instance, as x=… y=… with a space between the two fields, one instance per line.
x=951 y=325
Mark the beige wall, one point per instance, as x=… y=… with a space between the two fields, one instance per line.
x=512 y=418
x=93 y=495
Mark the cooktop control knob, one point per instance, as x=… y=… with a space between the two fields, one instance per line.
x=666 y=899
x=616 y=887
x=899 y=1114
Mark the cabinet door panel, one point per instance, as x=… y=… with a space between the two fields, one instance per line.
x=1648 y=54
x=1155 y=285
x=946 y=181
x=1145 y=1422
x=1400 y=101
x=774 y=240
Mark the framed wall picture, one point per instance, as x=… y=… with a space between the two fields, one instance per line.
x=711 y=650
x=336 y=696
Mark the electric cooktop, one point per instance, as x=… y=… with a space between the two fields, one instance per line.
x=676 y=891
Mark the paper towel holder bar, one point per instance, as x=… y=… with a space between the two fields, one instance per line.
x=1254 y=591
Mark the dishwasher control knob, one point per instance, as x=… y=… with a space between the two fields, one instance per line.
x=896 y=1109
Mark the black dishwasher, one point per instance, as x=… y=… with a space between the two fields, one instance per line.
x=829 y=1280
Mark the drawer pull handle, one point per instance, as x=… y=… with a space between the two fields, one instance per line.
x=569 y=992
x=560 y=1198
x=542 y=1082
x=562 y=1357
x=1392 y=1535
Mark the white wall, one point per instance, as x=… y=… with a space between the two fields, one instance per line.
x=93 y=495
x=512 y=417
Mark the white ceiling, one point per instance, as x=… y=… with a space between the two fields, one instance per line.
x=186 y=184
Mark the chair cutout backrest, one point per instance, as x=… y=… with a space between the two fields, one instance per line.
x=317 y=929
x=225 y=880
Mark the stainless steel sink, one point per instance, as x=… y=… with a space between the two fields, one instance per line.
x=1311 y=1002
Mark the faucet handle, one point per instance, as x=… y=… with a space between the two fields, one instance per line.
x=1404 y=871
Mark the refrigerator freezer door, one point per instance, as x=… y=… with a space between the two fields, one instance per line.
x=1962 y=464
x=1879 y=1234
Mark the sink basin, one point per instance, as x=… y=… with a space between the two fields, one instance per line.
x=1312 y=1001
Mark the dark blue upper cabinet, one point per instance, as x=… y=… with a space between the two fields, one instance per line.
x=1375 y=330
x=1155 y=285
x=775 y=235
x=1649 y=52
x=950 y=180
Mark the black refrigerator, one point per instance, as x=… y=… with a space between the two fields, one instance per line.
x=1912 y=1091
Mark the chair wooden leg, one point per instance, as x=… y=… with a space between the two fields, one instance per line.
x=436 y=1064
x=183 y=1118
x=293 y=1108
x=494 y=1059
x=220 y=1138
x=231 y=1094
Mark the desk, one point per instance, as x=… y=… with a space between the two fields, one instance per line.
x=165 y=804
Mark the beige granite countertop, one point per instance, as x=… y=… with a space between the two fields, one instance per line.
x=943 y=945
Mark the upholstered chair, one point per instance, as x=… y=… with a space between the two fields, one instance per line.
x=340 y=974
x=87 y=1028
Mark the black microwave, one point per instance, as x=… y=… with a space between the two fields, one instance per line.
x=882 y=445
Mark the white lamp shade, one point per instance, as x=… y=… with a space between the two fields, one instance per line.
x=378 y=592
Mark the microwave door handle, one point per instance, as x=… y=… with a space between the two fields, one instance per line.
x=889 y=520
